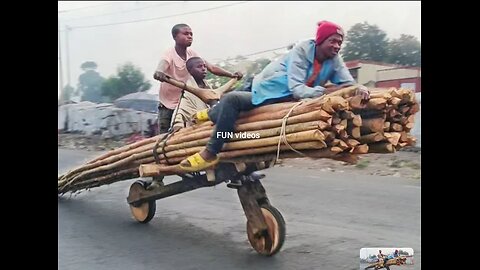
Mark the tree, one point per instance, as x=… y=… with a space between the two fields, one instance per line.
x=89 y=83
x=247 y=67
x=365 y=42
x=405 y=51
x=129 y=79
x=88 y=65
x=67 y=93
x=217 y=81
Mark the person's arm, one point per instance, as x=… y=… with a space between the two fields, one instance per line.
x=222 y=72
x=343 y=78
x=296 y=75
x=160 y=71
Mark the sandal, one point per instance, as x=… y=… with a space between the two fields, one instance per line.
x=201 y=116
x=197 y=163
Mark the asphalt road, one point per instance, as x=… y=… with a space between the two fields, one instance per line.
x=329 y=218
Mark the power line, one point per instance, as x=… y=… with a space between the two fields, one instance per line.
x=158 y=18
x=119 y=12
x=283 y=47
x=250 y=54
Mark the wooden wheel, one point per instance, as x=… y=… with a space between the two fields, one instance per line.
x=143 y=212
x=270 y=244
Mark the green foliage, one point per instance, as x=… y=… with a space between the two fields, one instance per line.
x=89 y=83
x=247 y=67
x=88 y=65
x=67 y=92
x=129 y=79
x=405 y=51
x=366 y=42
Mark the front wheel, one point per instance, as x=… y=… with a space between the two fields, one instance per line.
x=143 y=212
x=271 y=243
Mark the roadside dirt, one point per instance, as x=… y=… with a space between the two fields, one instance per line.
x=402 y=163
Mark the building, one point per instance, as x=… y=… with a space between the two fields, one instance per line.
x=376 y=74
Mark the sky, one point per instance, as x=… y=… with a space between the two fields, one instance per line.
x=113 y=33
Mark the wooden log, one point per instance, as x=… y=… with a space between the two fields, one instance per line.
x=352 y=142
x=386 y=126
x=371 y=138
x=372 y=125
x=414 y=109
x=344 y=92
x=265 y=133
x=396 y=127
x=146 y=170
x=144 y=154
x=360 y=149
x=369 y=113
x=310 y=116
x=331 y=103
x=357 y=120
x=381 y=147
x=334 y=103
x=403 y=109
x=336 y=119
x=321 y=153
x=380 y=94
x=393 y=113
x=376 y=103
x=329 y=135
x=347 y=115
x=154 y=169
x=344 y=123
x=356 y=102
x=272 y=149
x=343 y=135
x=395 y=101
x=409 y=125
x=403 y=94
x=341 y=144
x=268 y=108
x=401 y=145
x=303 y=136
x=393 y=137
x=411 y=140
x=354 y=132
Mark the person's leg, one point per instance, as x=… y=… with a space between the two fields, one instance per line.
x=164 y=119
x=224 y=114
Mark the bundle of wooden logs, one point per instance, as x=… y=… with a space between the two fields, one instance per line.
x=338 y=126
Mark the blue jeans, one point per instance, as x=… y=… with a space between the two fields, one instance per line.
x=224 y=114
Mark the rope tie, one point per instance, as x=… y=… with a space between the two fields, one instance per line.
x=283 y=136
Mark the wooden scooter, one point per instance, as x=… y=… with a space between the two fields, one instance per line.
x=265 y=224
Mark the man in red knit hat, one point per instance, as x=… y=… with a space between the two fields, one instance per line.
x=301 y=73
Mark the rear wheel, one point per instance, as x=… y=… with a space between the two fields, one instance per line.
x=271 y=243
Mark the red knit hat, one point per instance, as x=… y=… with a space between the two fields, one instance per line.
x=326 y=29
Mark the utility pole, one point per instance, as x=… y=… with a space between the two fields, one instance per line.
x=67 y=29
x=60 y=61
